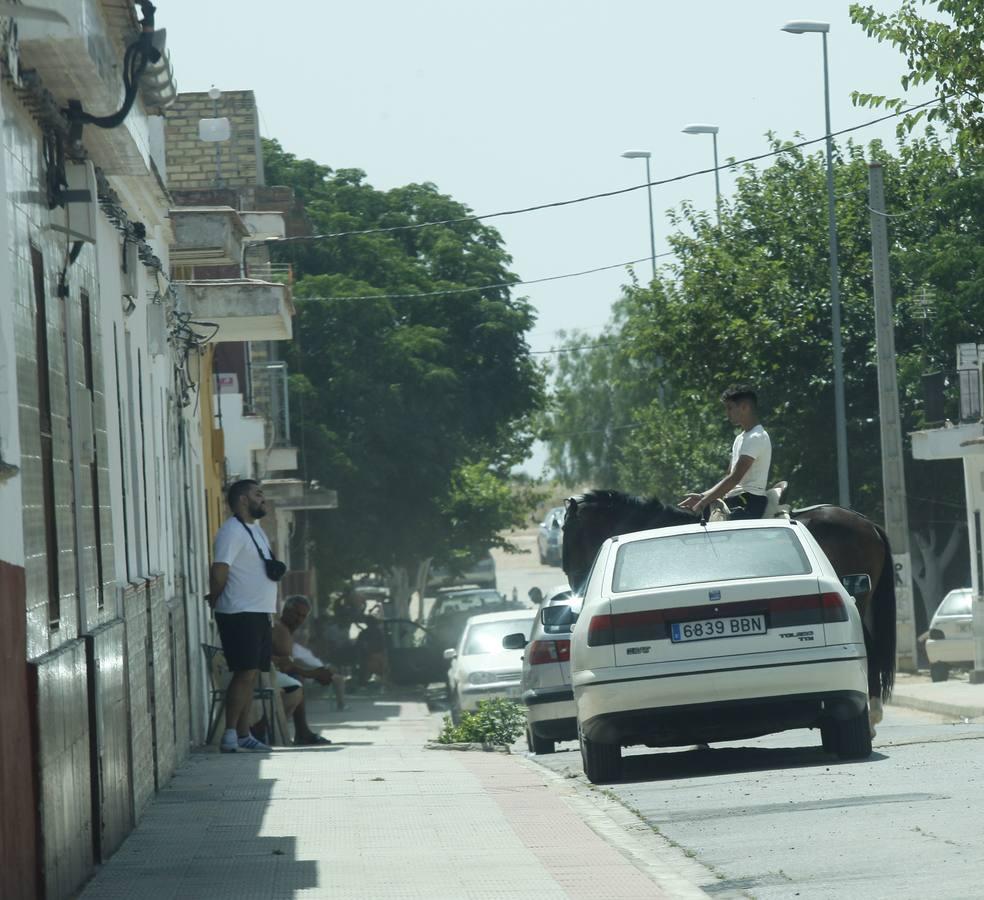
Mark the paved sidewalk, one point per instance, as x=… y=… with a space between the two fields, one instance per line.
x=955 y=697
x=377 y=816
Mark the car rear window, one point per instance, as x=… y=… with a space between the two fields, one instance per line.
x=956 y=603
x=709 y=556
x=566 y=620
x=486 y=637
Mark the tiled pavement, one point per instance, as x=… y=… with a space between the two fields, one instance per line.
x=376 y=816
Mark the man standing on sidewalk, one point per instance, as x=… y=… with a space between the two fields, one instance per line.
x=243 y=593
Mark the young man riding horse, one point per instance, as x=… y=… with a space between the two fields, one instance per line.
x=743 y=487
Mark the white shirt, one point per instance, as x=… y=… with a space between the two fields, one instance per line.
x=247 y=588
x=305 y=657
x=754 y=443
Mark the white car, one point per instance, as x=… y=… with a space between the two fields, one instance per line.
x=480 y=667
x=951 y=634
x=546 y=683
x=722 y=632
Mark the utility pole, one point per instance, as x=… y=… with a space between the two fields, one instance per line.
x=893 y=468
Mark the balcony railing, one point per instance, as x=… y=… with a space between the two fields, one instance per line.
x=279 y=273
x=270 y=399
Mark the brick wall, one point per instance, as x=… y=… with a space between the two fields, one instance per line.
x=160 y=669
x=191 y=163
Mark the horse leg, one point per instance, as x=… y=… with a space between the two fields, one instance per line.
x=876 y=711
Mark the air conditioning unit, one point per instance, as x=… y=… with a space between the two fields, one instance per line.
x=78 y=218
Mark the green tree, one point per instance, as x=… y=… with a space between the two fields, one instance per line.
x=414 y=408
x=944 y=52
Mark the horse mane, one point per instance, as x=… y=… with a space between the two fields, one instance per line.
x=642 y=508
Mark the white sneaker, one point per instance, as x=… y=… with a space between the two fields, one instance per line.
x=251 y=743
x=229 y=742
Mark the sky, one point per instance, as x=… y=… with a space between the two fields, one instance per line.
x=519 y=102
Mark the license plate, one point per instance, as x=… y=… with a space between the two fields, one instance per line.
x=731 y=626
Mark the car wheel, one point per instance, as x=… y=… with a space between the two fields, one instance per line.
x=854 y=736
x=539 y=745
x=828 y=736
x=939 y=671
x=602 y=762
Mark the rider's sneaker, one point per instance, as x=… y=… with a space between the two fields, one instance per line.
x=251 y=743
x=229 y=742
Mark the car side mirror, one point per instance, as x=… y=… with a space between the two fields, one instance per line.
x=515 y=641
x=557 y=615
x=450 y=653
x=857 y=585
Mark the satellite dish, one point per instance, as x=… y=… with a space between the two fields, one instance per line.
x=38 y=14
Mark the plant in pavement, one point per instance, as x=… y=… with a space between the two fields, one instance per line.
x=496 y=721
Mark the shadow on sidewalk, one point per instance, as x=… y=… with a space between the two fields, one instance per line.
x=202 y=837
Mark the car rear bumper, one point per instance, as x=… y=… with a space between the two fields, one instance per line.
x=954 y=650
x=721 y=720
x=559 y=729
x=546 y=707
x=616 y=703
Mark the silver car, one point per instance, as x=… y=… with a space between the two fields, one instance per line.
x=545 y=686
x=951 y=634
x=549 y=537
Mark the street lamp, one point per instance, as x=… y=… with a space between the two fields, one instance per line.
x=713 y=131
x=645 y=154
x=807 y=26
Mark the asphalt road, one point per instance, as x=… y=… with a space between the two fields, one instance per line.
x=776 y=817
x=523 y=570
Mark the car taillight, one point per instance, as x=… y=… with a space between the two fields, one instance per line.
x=833 y=607
x=549 y=651
x=600 y=631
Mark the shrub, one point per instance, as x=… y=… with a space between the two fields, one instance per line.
x=497 y=721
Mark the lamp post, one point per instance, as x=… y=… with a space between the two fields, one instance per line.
x=713 y=131
x=806 y=26
x=645 y=154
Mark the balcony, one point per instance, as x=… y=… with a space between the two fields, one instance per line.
x=207 y=236
x=242 y=309
x=264 y=226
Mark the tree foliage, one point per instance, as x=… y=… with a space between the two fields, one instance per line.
x=414 y=409
x=943 y=51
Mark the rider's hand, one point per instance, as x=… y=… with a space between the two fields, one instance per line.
x=694 y=502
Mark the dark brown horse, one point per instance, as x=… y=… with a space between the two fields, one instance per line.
x=853 y=544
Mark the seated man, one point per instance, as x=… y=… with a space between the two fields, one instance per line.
x=290 y=671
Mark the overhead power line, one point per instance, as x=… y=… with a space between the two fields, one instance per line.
x=487 y=287
x=604 y=194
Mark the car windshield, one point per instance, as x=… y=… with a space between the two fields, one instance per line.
x=956 y=603
x=486 y=637
x=732 y=554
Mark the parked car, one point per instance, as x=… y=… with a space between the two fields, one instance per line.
x=452 y=609
x=546 y=681
x=549 y=538
x=478 y=572
x=480 y=667
x=710 y=633
x=951 y=634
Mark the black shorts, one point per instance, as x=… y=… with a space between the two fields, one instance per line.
x=246 y=640
x=746 y=506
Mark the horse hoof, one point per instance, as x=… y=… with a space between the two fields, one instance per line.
x=876 y=712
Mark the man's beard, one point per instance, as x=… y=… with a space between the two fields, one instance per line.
x=257 y=512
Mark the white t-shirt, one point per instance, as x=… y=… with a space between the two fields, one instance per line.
x=247 y=588
x=754 y=443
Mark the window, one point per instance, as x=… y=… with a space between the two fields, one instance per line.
x=956 y=603
x=47 y=448
x=709 y=556
x=94 y=465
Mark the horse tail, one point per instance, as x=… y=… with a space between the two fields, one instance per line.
x=883 y=620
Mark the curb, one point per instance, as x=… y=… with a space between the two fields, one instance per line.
x=464 y=747
x=938 y=707
x=663 y=862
